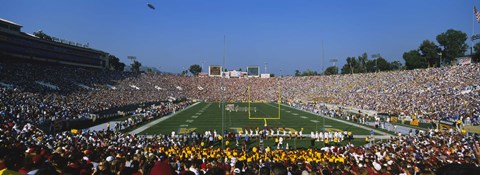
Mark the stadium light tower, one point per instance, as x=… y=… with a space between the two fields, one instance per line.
x=323 y=58
x=334 y=61
x=265 y=67
x=376 y=56
x=133 y=58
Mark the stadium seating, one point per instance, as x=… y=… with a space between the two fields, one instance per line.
x=434 y=93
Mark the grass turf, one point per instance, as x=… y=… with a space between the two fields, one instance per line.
x=208 y=116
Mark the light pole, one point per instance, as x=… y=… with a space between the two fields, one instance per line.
x=323 y=128
x=376 y=56
x=441 y=61
x=265 y=67
x=316 y=124
x=323 y=123
x=223 y=92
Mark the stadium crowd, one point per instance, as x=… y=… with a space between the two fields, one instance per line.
x=47 y=92
x=34 y=93
x=428 y=93
x=432 y=93
x=28 y=150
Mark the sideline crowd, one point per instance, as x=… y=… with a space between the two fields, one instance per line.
x=28 y=150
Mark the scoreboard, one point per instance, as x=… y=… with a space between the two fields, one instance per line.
x=253 y=71
x=215 y=71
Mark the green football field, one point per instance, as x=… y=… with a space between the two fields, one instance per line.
x=208 y=116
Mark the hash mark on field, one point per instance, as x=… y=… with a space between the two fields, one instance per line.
x=198 y=113
x=294 y=114
x=328 y=126
x=314 y=121
x=183 y=125
x=194 y=116
x=288 y=111
x=303 y=117
x=189 y=121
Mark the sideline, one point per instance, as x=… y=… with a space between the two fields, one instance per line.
x=103 y=126
x=148 y=125
x=349 y=123
x=355 y=110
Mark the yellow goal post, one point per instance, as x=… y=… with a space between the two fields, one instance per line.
x=279 y=101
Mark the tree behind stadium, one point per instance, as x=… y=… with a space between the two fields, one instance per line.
x=453 y=43
x=195 y=69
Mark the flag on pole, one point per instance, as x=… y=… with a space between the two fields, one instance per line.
x=477 y=13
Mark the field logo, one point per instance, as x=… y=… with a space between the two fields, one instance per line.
x=186 y=130
x=333 y=130
x=236 y=130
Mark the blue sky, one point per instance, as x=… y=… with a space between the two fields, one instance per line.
x=285 y=34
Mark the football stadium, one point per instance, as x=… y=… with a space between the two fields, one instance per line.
x=74 y=108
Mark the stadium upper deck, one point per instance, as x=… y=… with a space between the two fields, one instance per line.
x=15 y=43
